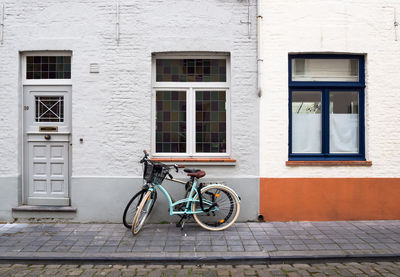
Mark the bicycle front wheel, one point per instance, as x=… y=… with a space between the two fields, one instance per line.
x=144 y=209
x=131 y=208
x=225 y=210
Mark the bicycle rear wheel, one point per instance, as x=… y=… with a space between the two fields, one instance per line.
x=221 y=216
x=131 y=208
x=144 y=209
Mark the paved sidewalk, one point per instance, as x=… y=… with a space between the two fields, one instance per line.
x=164 y=242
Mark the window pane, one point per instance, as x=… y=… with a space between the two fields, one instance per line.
x=191 y=70
x=49 y=109
x=171 y=121
x=343 y=121
x=210 y=122
x=48 y=67
x=328 y=70
x=306 y=122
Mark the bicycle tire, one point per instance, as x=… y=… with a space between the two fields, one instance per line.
x=143 y=211
x=226 y=212
x=131 y=207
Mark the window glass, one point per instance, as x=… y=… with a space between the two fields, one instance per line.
x=191 y=70
x=343 y=122
x=327 y=70
x=48 y=67
x=210 y=121
x=306 y=122
x=171 y=121
x=49 y=108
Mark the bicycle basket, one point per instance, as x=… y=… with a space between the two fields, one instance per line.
x=154 y=172
x=160 y=175
x=148 y=172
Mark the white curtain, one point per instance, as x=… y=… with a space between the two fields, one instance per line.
x=306 y=133
x=343 y=133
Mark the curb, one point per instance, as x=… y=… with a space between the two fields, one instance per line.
x=202 y=260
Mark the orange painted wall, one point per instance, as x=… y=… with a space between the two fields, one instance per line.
x=318 y=199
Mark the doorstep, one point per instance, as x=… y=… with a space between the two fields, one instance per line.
x=28 y=208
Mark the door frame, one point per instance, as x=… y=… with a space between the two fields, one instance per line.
x=24 y=189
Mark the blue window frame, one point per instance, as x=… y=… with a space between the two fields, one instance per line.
x=326 y=113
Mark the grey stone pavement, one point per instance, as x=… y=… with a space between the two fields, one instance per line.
x=252 y=240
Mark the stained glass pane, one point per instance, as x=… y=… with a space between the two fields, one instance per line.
x=191 y=70
x=48 y=67
x=49 y=108
x=210 y=122
x=171 y=121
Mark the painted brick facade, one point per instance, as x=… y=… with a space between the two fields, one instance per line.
x=111 y=110
x=358 y=27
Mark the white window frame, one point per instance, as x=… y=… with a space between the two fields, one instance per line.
x=44 y=81
x=191 y=88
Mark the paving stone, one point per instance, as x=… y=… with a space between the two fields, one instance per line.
x=223 y=272
x=263 y=273
x=75 y=272
x=182 y=273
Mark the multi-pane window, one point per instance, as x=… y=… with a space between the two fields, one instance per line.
x=171 y=121
x=326 y=107
x=191 y=100
x=210 y=121
x=48 y=67
x=191 y=70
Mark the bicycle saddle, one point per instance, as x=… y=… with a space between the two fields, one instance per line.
x=197 y=174
x=193 y=170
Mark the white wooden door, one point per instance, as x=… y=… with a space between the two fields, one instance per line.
x=47 y=127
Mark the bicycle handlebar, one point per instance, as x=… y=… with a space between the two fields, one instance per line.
x=147 y=159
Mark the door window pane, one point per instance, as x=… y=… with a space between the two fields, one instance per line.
x=210 y=121
x=343 y=122
x=48 y=67
x=306 y=122
x=171 y=121
x=49 y=108
x=328 y=70
x=191 y=70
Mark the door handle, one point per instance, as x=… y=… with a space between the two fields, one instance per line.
x=47 y=137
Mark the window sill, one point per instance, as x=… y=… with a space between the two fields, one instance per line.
x=197 y=161
x=328 y=163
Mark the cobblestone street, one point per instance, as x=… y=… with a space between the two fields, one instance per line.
x=328 y=269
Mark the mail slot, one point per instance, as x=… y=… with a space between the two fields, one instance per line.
x=48 y=129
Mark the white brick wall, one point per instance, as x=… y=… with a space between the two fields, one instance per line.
x=111 y=110
x=340 y=26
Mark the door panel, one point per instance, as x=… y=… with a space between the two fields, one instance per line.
x=46 y=132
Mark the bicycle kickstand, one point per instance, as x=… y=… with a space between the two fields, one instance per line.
x=182 y=221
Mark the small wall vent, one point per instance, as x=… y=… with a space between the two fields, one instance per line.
x=94 y=68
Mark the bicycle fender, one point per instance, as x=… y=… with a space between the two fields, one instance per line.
x=225 y=187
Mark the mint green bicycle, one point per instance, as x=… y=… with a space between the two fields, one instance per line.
x=215 y=207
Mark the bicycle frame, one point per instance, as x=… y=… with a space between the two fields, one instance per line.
x=189 y=200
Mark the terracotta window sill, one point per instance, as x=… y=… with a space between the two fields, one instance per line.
x=194 y=160
x=328 y=163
